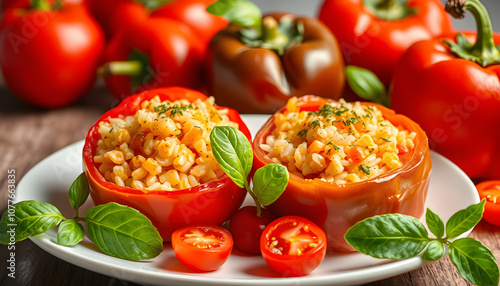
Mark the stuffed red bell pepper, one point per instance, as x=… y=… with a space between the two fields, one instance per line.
x=346 y=162
x=451 y=88
x=152 y=152
x=256 y=64
x=374 y=34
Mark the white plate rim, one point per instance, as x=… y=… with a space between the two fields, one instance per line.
x=111 y=266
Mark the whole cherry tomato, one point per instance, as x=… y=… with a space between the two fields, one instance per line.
x=246 y=228
x=490 y=190
x=202 y=248
x=374 y=34
x=293 y=246
x=49 y=56
x=210 y=203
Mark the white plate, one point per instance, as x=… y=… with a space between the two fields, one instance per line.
x=49 y=181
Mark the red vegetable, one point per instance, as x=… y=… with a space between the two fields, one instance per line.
x=336 y=208
x=374 y=34
x=246 y=228
x=293 y=246
x=454 y=94
x=153 y=53
x=210 y=203
x=49 y=56
x=118 y=15
x=202 y=248
x=256 y=68
x=490 y=190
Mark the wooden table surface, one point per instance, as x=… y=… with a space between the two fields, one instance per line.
x=29 y=134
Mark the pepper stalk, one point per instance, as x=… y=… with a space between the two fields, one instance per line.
x=483 y=51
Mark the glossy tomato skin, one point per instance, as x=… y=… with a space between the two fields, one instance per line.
x=292 y=233
x=174 y=57
x=377 y=44
x=490 y=190
x=49 y=59
x=452 y=110
x=202 y=248
x=246 y=228
x=336 y=208
x=211 y=203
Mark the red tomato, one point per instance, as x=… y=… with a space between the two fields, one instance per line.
x=246 y=228
x=202 y=248
x=293 y=246
x=490 y=190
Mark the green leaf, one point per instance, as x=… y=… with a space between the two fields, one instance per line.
x=240 y=12
x=233 y=152
x=434 y=223
x=269 y=182
x=464 y=220
x=434 y=251
x=70 y=233
x=79 y=191
x=123 y=232
x=474 y=261
x=366 y=85
x=153 y=4
x=390 y=236
x=29 y=218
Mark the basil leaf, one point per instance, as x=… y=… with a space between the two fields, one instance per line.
x=233 y=152
x=474 y=261
x=29 y=218
x=434 y=223
x=123 y=232
x=70 y=233
x=464 y=220
x=240 y=12
x=269 y=182
x=79 y=191
x=391 y=236
x=434 y=251
x=366 y=85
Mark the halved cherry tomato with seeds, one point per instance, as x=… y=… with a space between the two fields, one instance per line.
x=293 y=245
x=202 y=248
x=490 y=190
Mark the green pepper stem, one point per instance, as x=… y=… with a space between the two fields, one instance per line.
x=129 y=68
x=484 y=51
x=271 y=34
x=40 y=5
x=484 y=46
x=389 y=9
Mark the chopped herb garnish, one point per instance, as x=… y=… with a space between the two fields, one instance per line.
x=315 y=123
x=139 y=134
x=302 y=133
x=110 y=130
x=333 y=145
x=385 y=139
x=364 y=168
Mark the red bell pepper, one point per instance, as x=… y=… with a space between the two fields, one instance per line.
x=116 y=15
x=374 y=34
x=210 y=203
x=256 y=64
x=49 y=54
x=152 y=53
x=452 y=89
x=335 y=208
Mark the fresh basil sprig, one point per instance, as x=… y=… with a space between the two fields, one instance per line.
x=233 y=152
x=397 y=236
x=115 y=229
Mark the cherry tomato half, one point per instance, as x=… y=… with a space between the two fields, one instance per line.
x=293 y=246
x=202 y=248
x=490 y=190
x=246 y=228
